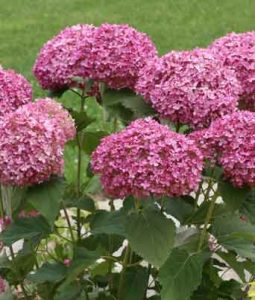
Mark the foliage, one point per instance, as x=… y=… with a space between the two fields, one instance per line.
x=75 y=242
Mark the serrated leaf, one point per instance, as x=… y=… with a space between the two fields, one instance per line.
x=25 y=228
x=82 y=120
x=57 y=93
x=181 y=274
x=68 y=292
x=236 y=235
x=232 y=196
x=248 y=206
x=151 y=235
x=134 y=283
x=112 y=97
x=180 y=207
x=46 y=197
x=231 y=259
x=49 y=272
x=83 y=258
x=92 y=139
x=83 y=202
x=108 y=222
x=199 y=215
x=137 y=105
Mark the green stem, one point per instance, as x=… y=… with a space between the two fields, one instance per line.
x=79 y=142
x=125 y=265
x=21 y=283
x=68 y=223
x=207 y=221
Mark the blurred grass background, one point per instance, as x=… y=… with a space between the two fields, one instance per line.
x=25 y=25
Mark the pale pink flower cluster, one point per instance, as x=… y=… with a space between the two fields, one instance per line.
x=237 y=50
x=231 y=140
x=2 y=286
x=32 y=142
x=147 y=159
x=15 y=91
x=110 y=53
x=189 y=87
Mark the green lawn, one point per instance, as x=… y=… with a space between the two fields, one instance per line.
x=173 y=24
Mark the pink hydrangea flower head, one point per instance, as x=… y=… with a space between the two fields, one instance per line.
x=3 y=286
x=30 y=148
x=120 y=52
x=204 y=142
x=190 y=87
x=60 y=116
x=237 y=50
x=65 y=56
x=148 y=77
x=15 y=91
x=146 y=159
x=233 y=137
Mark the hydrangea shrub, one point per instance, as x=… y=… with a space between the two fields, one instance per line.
x=147 y=191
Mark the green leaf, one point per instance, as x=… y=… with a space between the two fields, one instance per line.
x=83 y=258
x=126 y=104
x=134 y=285
x=151 y=235
x=138 y=106
x=25 y=228
x=109 y=222
x=57 y=93
x=112 y=97
x=232 y=196
x=180 y=207
x=92 y=139
x=248 y=206
x=49 y=272
x=186 y=236
x=83 y=202
x=231 y=259
x=82 y=120
x=236 y=235
x=108 y=243
x=199 y=215
x=181 y=274
x=46 y=197
x=68 y=292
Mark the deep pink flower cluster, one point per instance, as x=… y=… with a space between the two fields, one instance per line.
x=231 y=140
x=31 y=146
x=65 y=56
x=15 y=91
x=189 y=87
x=2 y=285
x=237 y=50
x=110 y=53
x=120 y=53
x=146 y=159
